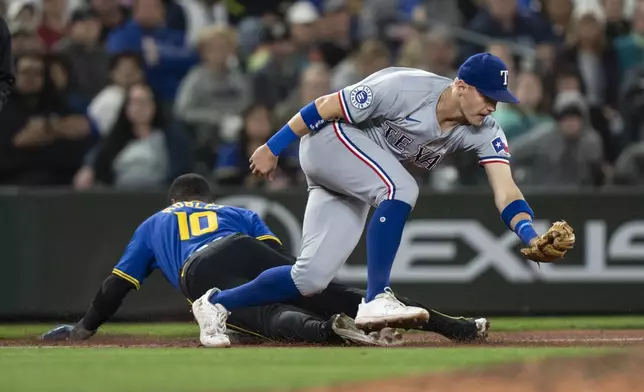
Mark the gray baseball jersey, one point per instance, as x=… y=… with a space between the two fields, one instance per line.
x=396 y=108
x=390 y=116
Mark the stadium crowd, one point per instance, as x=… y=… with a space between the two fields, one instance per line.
x=130 y=93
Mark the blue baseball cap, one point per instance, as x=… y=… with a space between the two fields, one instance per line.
x=489 y=75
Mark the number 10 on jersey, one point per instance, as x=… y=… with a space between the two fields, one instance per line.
x=198 y=223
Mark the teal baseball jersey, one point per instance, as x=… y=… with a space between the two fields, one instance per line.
x=166 y=239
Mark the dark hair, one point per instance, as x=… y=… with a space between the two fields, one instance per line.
x=121 y=134
x=243 y=136
x=190 y=186
x=568 y=70
x=64 y=62
x=48 y=92
x=563 y=70
x=116 y=58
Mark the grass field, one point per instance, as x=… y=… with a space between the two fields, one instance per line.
x=26 y=367
x=186 y=330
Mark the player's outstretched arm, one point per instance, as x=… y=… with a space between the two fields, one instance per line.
x=129 y=272
x=518 y=216
x=506 y=192
x=106 y=302
x=311 y=118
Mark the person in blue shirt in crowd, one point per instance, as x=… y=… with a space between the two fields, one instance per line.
x=231 y=165
x=198 y=245
x=509 y=20
x=168 y=57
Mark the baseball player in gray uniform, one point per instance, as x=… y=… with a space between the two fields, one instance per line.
x=351 y=148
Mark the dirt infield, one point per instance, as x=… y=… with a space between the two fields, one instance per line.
x=594 y=338
x=607 y=373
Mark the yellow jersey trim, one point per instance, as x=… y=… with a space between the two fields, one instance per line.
x=269 y=237
x=127 y=277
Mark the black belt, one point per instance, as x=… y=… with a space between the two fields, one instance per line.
x=183 y=276
x=185 y=269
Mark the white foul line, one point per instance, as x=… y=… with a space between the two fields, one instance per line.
x=572 y=340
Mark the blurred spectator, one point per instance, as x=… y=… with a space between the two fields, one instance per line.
x=314 y=82
x=502 y=19
x=200 y=14
x=442 y=13
x=134 y=155
x=251 y=21
x=59 y=72
x=545 y=58
x=175 y=16
x=88 y=60
x=303 y=20
x=53 y=22
x=566 y=153
x=630 y=48
x=126 y=70
x=558 y=14
x=24 y=39
x=232 y=168
x=7 y=74
x=274 y=80
x=412 y=54
x=23 y=12
x=594 y=55
x=41 y=142
x=502 y=52
x=234 y=12
x=616 y=24
x=567 y=78
x=384 y=20
x=629 y=167
x=112 y=14
x=213 y=92
x=167 y=58
x=632 y=106
x=338 y=28
x=598 y=66
x=440 y=52
x=371 y=57
x=532 y=111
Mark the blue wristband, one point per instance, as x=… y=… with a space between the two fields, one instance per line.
x=525 y=231
x=282 y=139
x=312 y=117
x=514 y=208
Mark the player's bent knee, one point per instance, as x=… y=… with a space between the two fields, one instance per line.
x=310 y=285
x=408 y=194
x=403 y=188
x=308 y=281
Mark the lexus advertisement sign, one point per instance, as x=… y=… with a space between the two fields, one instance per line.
x=455 y=255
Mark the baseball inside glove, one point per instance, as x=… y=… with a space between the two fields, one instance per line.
x=552 y=245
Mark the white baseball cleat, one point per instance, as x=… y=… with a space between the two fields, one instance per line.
x=212 y=321
x=482 y=326
x=345 y=327
x=387 y=311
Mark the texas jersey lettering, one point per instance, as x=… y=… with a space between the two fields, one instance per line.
x=396 y=108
